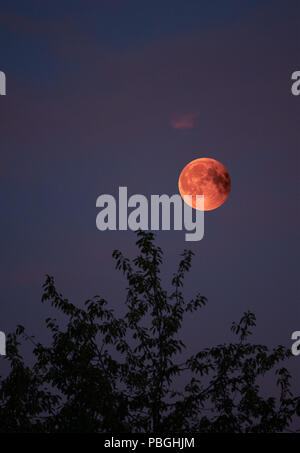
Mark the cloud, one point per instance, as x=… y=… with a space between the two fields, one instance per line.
x=185 y=121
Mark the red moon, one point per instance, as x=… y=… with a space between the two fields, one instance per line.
x=206 y=177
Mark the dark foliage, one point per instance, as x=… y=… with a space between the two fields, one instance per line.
x=104 y=374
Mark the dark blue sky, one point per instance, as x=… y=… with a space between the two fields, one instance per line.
x=92 y=91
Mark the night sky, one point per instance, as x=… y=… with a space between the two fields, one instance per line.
x=102 y=94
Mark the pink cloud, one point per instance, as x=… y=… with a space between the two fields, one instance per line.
x=185 y=121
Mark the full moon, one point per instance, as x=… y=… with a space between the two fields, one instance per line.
x=206 y=177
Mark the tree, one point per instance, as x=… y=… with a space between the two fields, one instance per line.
x=105 y=374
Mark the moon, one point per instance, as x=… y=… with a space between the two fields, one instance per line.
x=206 y=177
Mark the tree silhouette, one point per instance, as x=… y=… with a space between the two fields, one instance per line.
x=105 y=374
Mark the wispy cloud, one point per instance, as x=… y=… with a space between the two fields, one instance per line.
x=184 y=121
